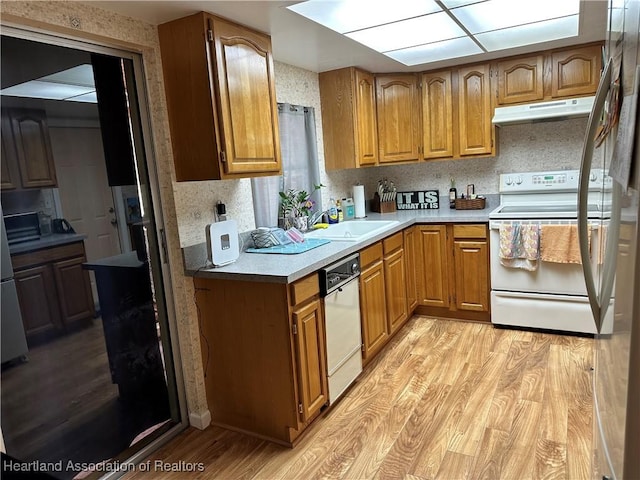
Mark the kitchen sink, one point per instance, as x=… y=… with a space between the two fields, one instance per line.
x=352 y=230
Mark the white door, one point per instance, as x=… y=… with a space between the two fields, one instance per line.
x=85 y=195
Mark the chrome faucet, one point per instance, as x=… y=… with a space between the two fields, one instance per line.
x=316 y=217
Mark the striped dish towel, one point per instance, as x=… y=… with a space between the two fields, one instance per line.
x=520 y=246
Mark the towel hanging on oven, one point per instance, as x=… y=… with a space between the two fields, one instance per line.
x=519 y=245
x=560 y=244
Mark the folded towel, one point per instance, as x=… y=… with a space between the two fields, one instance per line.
x=560 y=244
x=519 y=246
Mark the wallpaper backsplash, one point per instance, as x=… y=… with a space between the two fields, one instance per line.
x=521 y=148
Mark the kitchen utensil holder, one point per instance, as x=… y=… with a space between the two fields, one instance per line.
x=382 y=207
x=470 y=203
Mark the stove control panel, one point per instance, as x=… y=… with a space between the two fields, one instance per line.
x=556 y=181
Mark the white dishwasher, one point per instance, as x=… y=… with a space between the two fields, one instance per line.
x=339 y=286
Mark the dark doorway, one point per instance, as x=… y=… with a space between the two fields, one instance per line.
x=97 y=381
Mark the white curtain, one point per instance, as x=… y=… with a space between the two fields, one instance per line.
x=299 y=164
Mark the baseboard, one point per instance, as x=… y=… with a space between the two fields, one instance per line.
x=200 y=420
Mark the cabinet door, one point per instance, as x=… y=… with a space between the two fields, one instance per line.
x=411 y=262
x=373 y=310
x=38 y=299
x=437 y=115
x=472 y=275
x=475 y=131
x=576 y=71
x=433 y=279
x=33 y=148
x=9 y=177
x=246 y=99
x=521 y=80
x=74 y=290
x=365 y=118
x=395 y=289
x=309 y=333
x=398 y=112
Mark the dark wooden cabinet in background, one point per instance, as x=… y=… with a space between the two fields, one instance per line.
x=27 y=158
x=53 y=289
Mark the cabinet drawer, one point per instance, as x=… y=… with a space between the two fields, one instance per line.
x=304 y=289
x=469 y=231
x=392 y=243
x=47 y=255
x=370 y=255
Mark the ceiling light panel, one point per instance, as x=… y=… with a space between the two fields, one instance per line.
x=80 y=75
x=498 y=14
x=91 y=97
x=433 y=52
x=350 y=15
x=519 y=36
x=409 y=33
x=459 y=3
x=47 y=90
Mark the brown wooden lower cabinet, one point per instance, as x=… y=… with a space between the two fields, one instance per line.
x=373 y=310
x=37 y=295
x=411 y=262
x=395 y=281
x=53 y=289
x=263 y=351
x=453 y=271
x=384 y=292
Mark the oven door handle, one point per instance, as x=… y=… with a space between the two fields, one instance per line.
x=583 y=191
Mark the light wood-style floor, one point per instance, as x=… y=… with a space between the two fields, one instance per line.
x=445 y=399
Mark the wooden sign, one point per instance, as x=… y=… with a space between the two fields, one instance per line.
x=422 y=199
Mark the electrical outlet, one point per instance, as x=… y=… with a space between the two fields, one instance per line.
x=438 y=176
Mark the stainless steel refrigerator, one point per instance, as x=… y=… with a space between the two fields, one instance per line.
x=13 y=343
x=614 y=286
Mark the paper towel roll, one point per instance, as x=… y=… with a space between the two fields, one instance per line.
x=358 y=200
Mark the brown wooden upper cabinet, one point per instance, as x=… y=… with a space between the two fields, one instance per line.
x=520 y=80
x=576 y=71
x=27 y=158
x=219 y=83
x=437 y=114
x=398 y=107
x=456 y=113
x=349 y=127
x=475 y=130
x=548 y=75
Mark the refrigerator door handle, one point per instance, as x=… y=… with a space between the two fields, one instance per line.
x=583 y=190
x=610 y=253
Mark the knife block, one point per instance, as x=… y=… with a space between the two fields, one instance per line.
x=382 y=207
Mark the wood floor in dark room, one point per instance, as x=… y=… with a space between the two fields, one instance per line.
x=61 y=403
x=446 y=399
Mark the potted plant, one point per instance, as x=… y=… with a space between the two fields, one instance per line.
x=296 y=206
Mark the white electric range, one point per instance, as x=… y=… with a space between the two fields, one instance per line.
x=554 y=295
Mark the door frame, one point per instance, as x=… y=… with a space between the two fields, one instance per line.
x=160 y=262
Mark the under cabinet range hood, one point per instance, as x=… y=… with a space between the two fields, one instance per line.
x=543 y=111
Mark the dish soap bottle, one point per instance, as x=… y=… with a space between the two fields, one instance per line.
x=333 y=211
x=453 y=193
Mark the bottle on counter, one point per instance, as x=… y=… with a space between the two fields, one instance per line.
x=340 y=212
x=348 y=208
x=453 y=193
x=333 y=211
